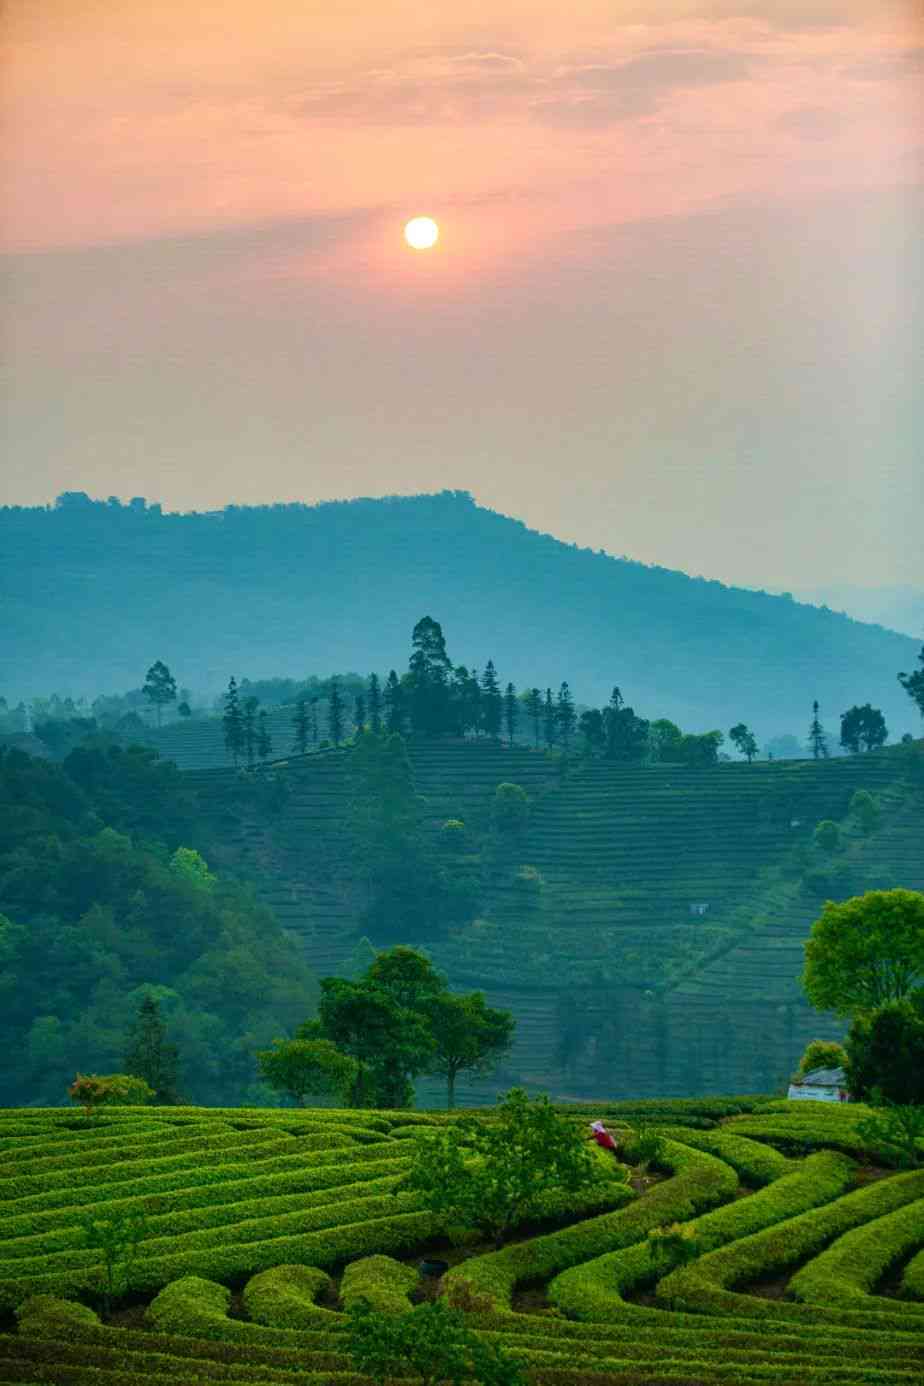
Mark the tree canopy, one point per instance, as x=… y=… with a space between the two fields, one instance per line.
x=865 y=952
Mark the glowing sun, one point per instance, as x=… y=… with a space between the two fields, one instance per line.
x=421 y=233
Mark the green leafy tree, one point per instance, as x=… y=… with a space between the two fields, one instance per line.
x=303 y=1067
x=565 y=716
x=390 y=1043
x=510 y=810
x=264 y=740
x=183 y=709
x=431 y=1344
x=592 y=729
x=664 y=738
x=491 y=1174
x=533 y=704
x=863 y=728
x=395 y=706
x=865 y=810
x=511 y=712
x=827 y=835
x=699 y=749
x=626 y=734
x=817 y=737
x=430 y=671
x=117 y=1239
x=407 y=976
x=895 y=1132
x=188 y=866
x=744 y=741
x=375 y=705
x=491 y=702
x=470 y=1037
x=300 y=726
x=233 y=722
x=549 y=724
x=95 y=1090
x=821 y=1054
x=885 y=1052
x=913 y=684
x=149 y=1054
x=335 y=712
x=159 y=688
x=865 y=952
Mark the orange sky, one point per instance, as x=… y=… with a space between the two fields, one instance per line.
x=194 y=180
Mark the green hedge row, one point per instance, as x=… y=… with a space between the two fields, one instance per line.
x=700 y=1181
x=594 y=1290
x=284 y=1298
x=756 y=1163
x=271 y=1197
x=102 y=1152
x=703 y=1286
x=798 y=1133
x=847 y=1272
x=380 y=1280
x=913 y=1279
x=61 y=1140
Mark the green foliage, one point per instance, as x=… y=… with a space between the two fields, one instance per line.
x=188 y=866
x=116 y=1239
x=823 y=1054
x=284 y=1296
x=913 y=684
x=150 y=1056
x=865 y=809
x=744 y=741
x=827 y=835
x=673 y=1245
x=510 y=810
x=492 y=1174
x=885 y=1052
x=432 y=1343
x=863 y=728
x=865 y=952
x=302 y=1067
x=390 y=1043
x=895 y=1132
x=95 y=1090
x=159 y=687
x=643 y=1147
x=468 y=1036
x=383 y=1283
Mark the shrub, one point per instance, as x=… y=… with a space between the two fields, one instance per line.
x=896 y=1134
x=94 y=1090
x=846 y=1272
x=284 y=1297
x=865 y=809
x=821 y=1054
x=433 y=1343
x=383 y=1283
x=885 y=1053
x=827 y=835
x=509 y=809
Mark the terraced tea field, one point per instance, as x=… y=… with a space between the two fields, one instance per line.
x=262 y=1226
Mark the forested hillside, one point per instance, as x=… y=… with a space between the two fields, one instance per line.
x=93 y=593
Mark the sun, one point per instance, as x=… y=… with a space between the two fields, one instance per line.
x=421 y=233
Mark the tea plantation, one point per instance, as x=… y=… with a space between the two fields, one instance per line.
x=794 y=1259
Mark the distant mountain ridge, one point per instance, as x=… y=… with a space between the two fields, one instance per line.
x=94 y=592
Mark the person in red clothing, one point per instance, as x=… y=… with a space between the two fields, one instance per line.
x=603 y=1138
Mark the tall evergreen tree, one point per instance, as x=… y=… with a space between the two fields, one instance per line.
x=335 y=712
x=264 y=740
x=473 y=702
x=533 y=702
x=159 y=687
x=233 y=722
x=491 y=702
x=430 y=671
x=395 y=715
x=300 y=726
x=549 y=725
x=249 y=728
x=359 y=711
x=375 y=704
x=565 y=715
x=148 y=1054
x=817 y=739
x=511 y=712
x=460 y=700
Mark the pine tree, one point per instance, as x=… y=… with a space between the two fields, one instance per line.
x=511 y=712
x=264 y=740
x=159 y=687
x=473 y=702
x=460 y=700
x=817 y=739
x=300 y=726
x=534 y=711
x=565 y=715
x=149 y=1056
x=375 y=704
x=491 y=702
x=335 y=712
x=233 y=722
x=359 y=711
x=549 y=727
x=249 y=728
x=394 y=705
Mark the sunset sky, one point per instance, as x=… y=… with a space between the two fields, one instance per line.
x=674 y=311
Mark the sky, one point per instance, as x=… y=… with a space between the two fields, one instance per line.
x=674 y=312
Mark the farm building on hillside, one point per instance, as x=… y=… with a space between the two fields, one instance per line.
x=821 y=1085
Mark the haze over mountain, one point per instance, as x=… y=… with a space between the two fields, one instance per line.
x=94 y=592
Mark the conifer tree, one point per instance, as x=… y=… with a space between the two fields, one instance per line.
x=534 y=711
x=300 y=726
x=148 y=1055
x=461 y=703
x=548 y=721
x=375 y=704
x=233 y=722
x=249 y=728
x=359 y=711
x=511 y=712
x=335 y=712
x=817 y=739
x=395 y=717
x=264 y=740
x=473 y=702
x=565 y=715
x=159 y=687
x=491 y=702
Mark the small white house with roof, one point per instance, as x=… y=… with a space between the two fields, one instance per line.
x=820 y=1085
